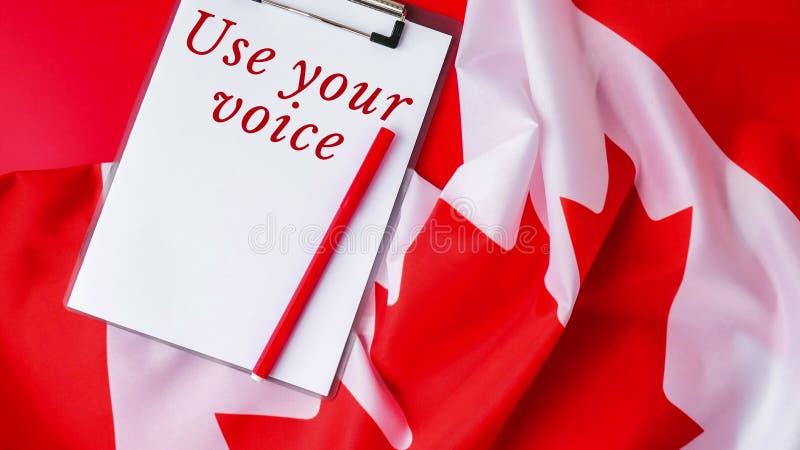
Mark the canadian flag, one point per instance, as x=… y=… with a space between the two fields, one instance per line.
x=599 y=249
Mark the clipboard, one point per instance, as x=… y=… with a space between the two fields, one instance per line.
x=386 y=16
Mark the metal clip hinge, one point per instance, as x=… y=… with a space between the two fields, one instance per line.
x=395 y=9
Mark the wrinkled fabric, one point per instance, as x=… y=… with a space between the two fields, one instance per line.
x=599 y=246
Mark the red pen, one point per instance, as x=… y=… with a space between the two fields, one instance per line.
x=353 y=197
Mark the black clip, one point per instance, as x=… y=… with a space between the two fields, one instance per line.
x=389 y=41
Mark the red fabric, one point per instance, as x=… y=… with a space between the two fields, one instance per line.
x=70 y=75
x=53 y=382
x=495 y=370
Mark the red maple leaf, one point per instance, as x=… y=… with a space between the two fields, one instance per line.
x=473 y=327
